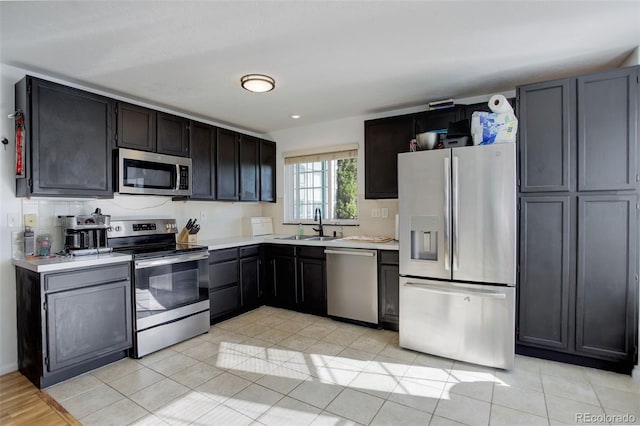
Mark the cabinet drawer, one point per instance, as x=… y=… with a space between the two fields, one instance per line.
x=87 y=277
x=389 y=257
x=312 y=252
x=249 y=251
x=221 y=274
x=223 y=301
x=223 y=255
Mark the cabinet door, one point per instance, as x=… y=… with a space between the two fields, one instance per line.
x=545 y=122
x=384 y=139
x=545 y=234
x=249 y=168
x=608 y=130
x=389 y=295
x=172 y=135
x=136 y=127
x=283 y=281
x=267 y=171
x=438 y=119
x=250 y=282
x=71 y=141
x=88 y=322
x=203 y=146
x=312 y=284
x=227 y=165
x=606 y=292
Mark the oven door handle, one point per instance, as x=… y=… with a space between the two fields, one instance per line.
x=141 y=264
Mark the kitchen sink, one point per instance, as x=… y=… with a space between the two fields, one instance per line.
x=295 y=237
x=306 y=238
x=321 y=238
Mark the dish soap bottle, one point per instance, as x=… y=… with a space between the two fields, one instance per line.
x=300 y=230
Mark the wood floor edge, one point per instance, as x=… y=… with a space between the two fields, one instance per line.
x=59 y=409
x=13 y=411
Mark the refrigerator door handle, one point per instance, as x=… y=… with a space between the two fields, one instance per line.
x=453 y=292
x=454 y=196
x=447 y=211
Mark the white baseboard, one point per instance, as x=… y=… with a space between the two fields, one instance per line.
x=9 y=368
x=636 y=372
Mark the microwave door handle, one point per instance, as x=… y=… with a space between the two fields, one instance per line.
x=177 y=177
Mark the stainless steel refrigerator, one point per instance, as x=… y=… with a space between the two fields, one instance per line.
x=458 y=253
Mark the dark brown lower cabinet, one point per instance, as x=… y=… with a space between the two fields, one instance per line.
x=578 y=284
x=250 y=277
x=72 y=321
x=312 y=280
x=224 y=283
x=389 y=289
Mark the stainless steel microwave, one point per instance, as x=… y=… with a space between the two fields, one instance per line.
x=148 y=173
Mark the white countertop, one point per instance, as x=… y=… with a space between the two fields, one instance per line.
x=222 y=243
x=59 y=263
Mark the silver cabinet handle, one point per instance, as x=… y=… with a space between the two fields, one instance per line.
x=455 y=203
x=456 y=292
x=141 y=264
x=352 y=253
x=447 y=211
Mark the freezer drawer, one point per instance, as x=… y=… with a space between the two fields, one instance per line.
x=466 y=322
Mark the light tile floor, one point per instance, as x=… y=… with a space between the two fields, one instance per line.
x=276 y=367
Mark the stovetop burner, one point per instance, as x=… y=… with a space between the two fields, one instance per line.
x=151 y=251
x=148 y=238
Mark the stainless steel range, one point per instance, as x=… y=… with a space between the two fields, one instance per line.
x=171 y=282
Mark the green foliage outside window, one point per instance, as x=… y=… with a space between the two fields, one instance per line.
x=347 y=189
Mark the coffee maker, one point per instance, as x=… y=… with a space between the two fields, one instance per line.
x=86 y=234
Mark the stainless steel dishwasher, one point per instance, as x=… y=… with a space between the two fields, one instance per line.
x=352 y=284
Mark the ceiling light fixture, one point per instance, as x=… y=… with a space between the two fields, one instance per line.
x=295 y=116
x=258 y=83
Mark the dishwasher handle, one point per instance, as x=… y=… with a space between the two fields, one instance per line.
x=352 y=252
x=454 y=292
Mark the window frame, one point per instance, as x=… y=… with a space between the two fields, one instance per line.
x=291 y=178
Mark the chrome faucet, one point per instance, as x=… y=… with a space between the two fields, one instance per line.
x=317 y=216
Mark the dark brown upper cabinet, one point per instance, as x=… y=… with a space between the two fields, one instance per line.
x=249 y=168
x=69 y=140
x=607 y=130
x=149 y=130
x=203 y=151
x=546 y=140
x=267 y=171
x=384 y=139
x=580 y=133
x=172 y=135
x=438 y=119
x=227 y=155
x=136 y=127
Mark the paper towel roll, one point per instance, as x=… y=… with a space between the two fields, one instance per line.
x=499 y=104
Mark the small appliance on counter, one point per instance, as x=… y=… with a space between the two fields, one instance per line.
x=86 y=234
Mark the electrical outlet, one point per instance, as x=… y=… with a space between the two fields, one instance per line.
x=203 y=216
x=31 y=220
x=13 y=220
x=375 y=212
x=384 y=212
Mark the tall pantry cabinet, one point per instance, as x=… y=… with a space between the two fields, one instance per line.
x=578 y=201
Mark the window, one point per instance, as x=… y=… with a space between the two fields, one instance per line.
x=325 y=181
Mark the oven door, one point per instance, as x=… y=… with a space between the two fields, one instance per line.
x=170 y=287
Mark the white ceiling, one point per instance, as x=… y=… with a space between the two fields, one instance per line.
x=330 y=59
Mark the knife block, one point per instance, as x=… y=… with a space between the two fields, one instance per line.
x=185 y=237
